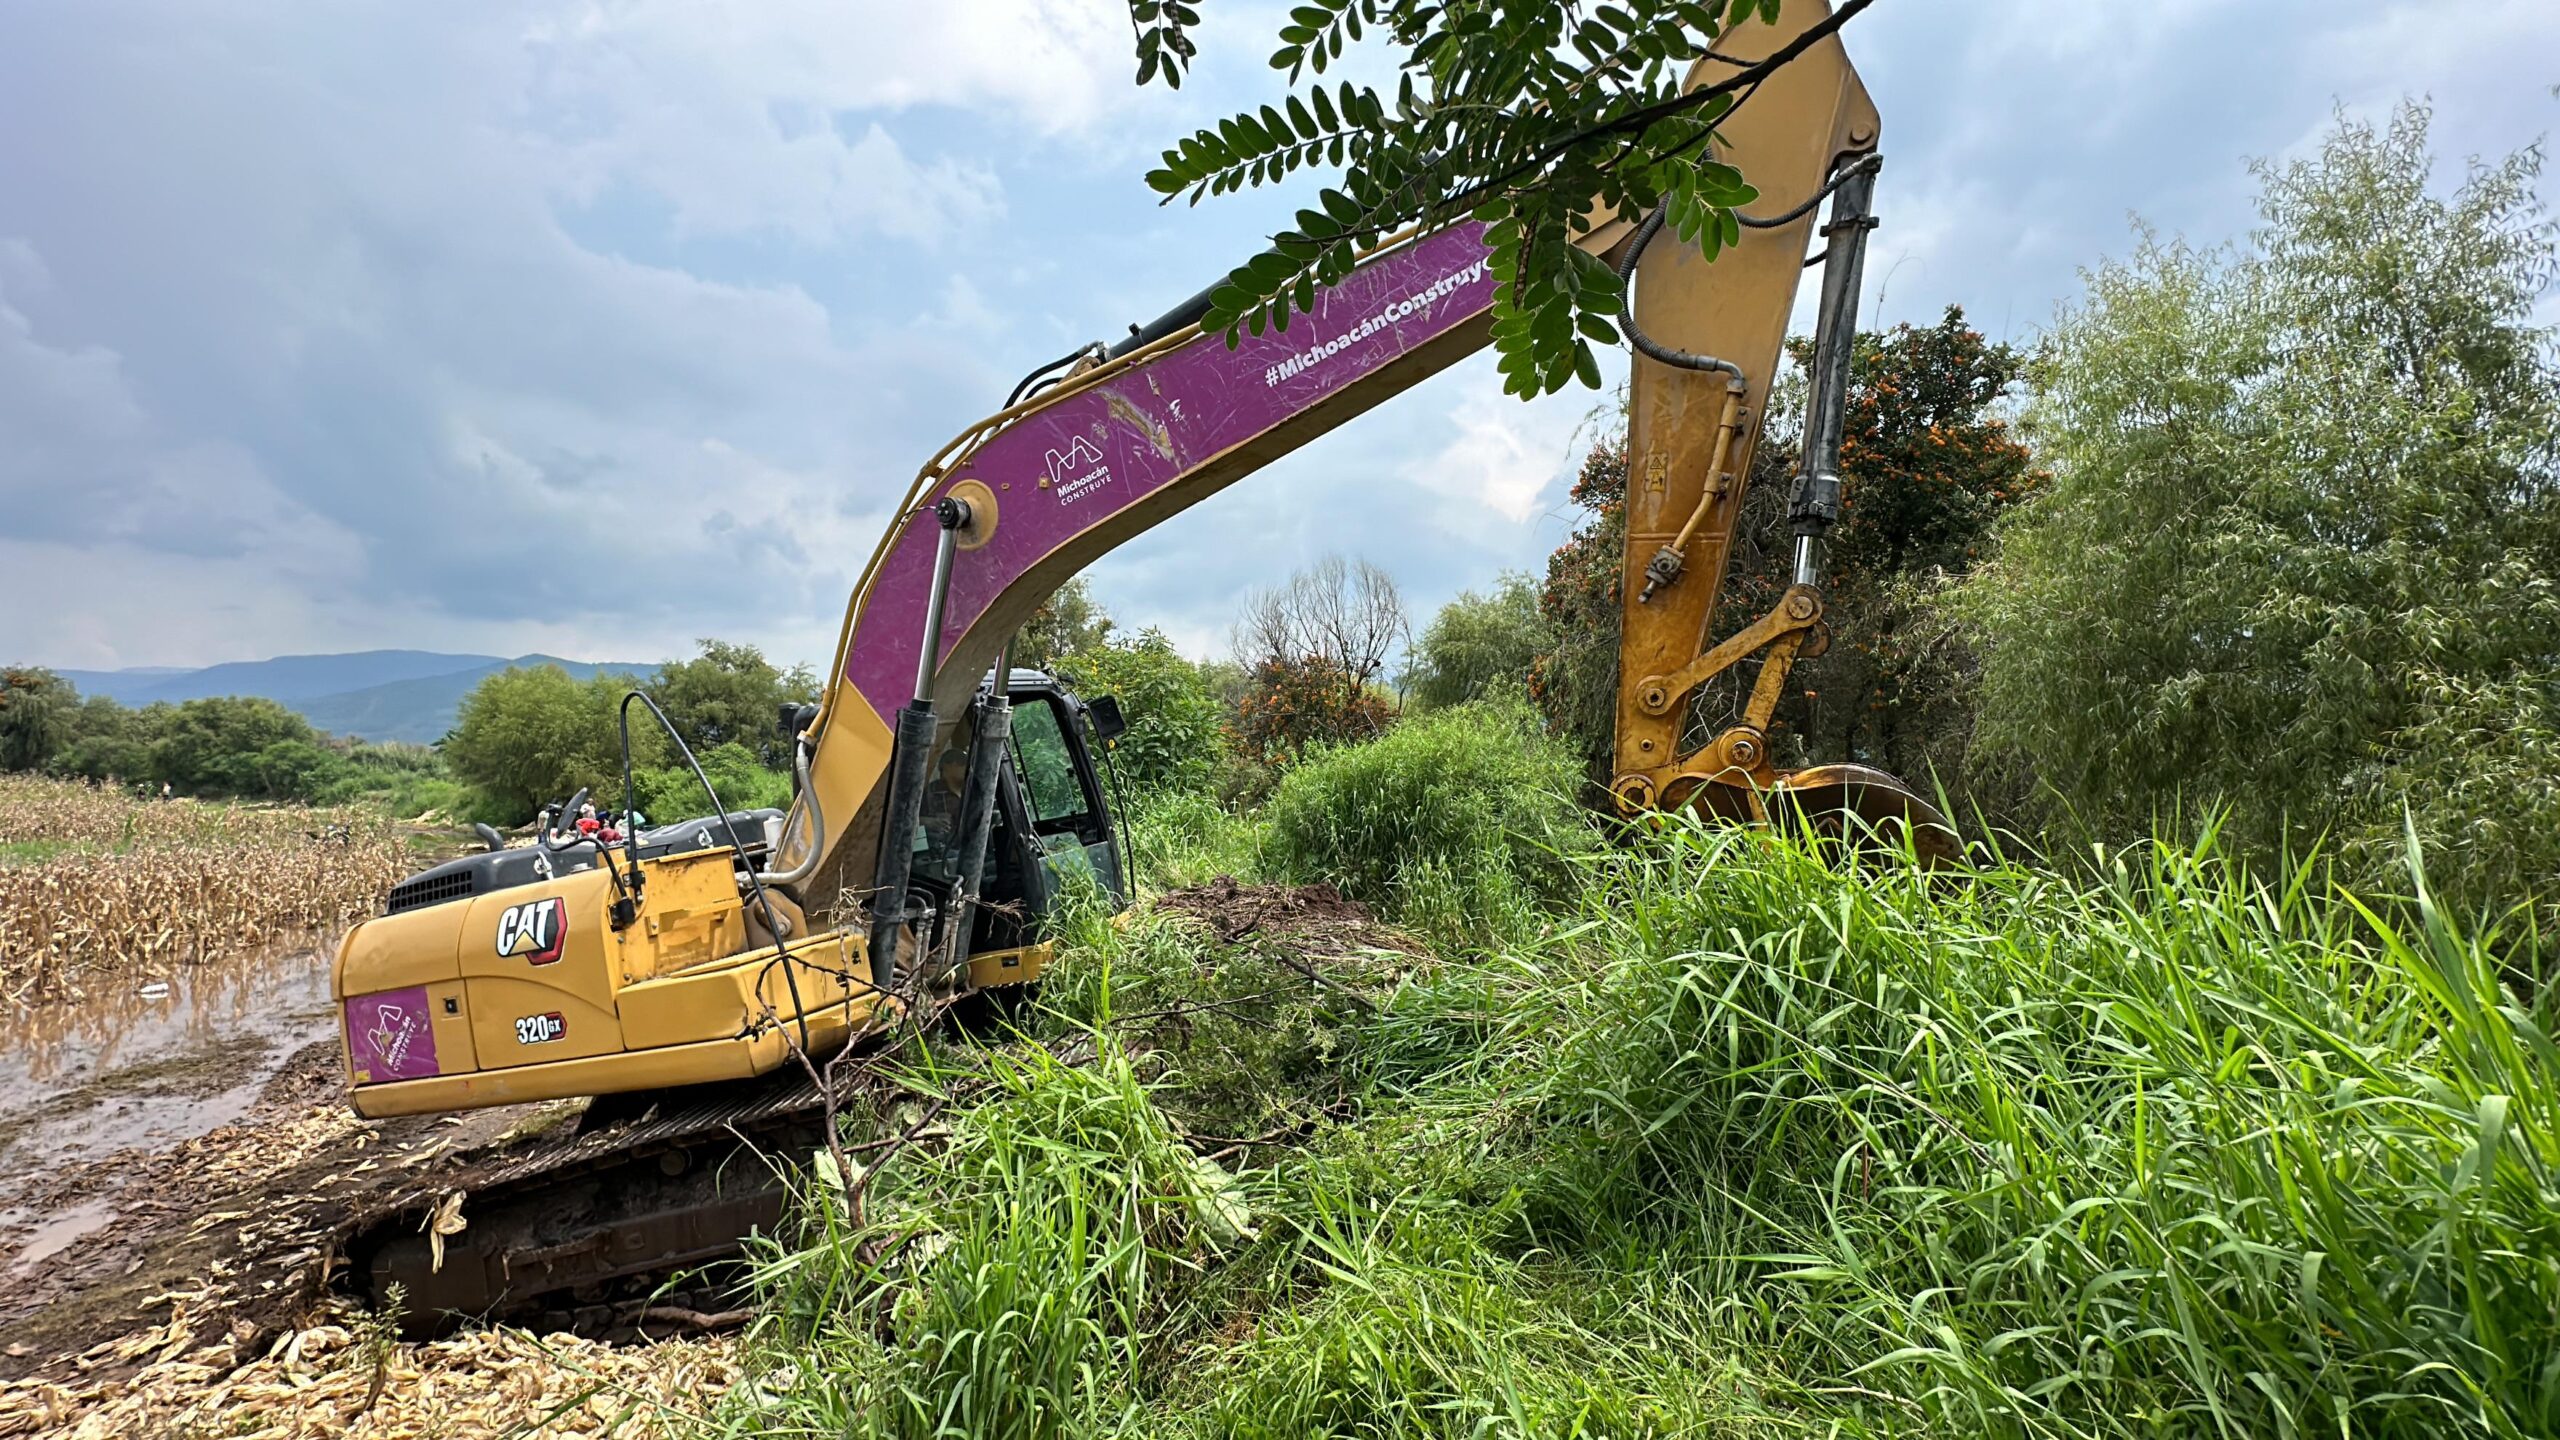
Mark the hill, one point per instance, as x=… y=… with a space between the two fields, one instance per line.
x=288 y=678
x=410 y=695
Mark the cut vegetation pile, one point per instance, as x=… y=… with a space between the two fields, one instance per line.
x=348 y=1377
x=1312 y=918
x=1732 y=1139
x=94 y=884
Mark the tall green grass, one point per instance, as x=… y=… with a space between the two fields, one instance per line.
x=1752 y=1139
x=1006 y=1270
x=2172 y=1151
x=1177 y=838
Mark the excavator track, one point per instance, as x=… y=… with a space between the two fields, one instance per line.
x=587 y=1234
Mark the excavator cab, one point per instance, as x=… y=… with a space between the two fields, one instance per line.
x=1053 y=828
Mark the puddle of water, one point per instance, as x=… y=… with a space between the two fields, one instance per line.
x=250 y=1003
x=148 y=1120
x=123 y=1069
x=59 y=1231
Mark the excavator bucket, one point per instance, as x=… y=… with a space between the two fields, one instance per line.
x=1865 y=807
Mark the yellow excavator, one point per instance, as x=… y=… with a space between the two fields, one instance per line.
x=681 y=977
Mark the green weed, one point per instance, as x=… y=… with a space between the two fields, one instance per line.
x=1010 y=1266
x=1743 y=1139
x=1179 y=838
x=2172 y=1151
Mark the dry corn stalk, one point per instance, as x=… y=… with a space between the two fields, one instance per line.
x=68 y=812
x=321 y=1382
x=153 y=886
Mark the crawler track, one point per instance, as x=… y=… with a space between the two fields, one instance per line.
x=584 y=1234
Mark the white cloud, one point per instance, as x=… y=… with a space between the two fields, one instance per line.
x=353 y=324
x=354 y=341
x=742 y=117
x=1507 y=461
x=82 y=460
x=1053 y=65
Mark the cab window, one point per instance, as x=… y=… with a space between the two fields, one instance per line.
x=1051 y=787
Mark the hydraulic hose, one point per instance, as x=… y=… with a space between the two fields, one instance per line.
x=1867 y=164
x=1180 y=317
x=1677 y=359
x=1029 y=382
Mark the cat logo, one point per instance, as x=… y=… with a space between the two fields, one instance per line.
x=535 y=929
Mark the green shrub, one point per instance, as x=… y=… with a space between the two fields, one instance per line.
x=670 y=793
x=1755 y=1140
x=1457 y=820
x=1293 y=707
x=1178 y=838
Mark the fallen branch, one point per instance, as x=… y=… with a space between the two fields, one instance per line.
x=696 y=1319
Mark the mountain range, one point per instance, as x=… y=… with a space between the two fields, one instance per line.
x=410 y=695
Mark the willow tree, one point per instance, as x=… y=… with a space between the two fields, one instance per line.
x=2298 y=556
x=36 y=710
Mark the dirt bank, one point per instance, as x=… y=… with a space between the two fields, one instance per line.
x=1312 y=920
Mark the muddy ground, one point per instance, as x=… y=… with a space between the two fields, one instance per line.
x=175 y=1165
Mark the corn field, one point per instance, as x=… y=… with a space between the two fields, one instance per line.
x=103 y=885
x=37 y=812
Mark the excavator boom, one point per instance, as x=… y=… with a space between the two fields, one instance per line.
x=1055 y=483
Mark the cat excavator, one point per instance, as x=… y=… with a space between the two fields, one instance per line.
x=690 y=981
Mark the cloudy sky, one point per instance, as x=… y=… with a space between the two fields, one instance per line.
x=591 y=326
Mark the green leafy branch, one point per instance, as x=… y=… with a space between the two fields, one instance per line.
x=1541 y=118
x=1165 y=46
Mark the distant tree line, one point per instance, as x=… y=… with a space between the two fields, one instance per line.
x=227 y=746
x=523 y=737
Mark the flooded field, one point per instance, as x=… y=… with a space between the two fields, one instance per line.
x=102 y=893
x=178 y=1160
x=139 y=1122
x=87 y=1089
x=154 y=1062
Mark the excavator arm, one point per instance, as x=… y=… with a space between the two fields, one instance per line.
x=1023 y=500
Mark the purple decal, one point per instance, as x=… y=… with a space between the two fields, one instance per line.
x=391 y=1035
x=1076 y=464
